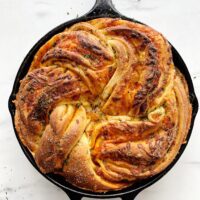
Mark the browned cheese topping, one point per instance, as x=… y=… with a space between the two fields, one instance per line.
x=103 y=105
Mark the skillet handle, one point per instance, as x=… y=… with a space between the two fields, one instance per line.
x=130 y=196
x=73 y=195
x=77 y=196
x=102 y=8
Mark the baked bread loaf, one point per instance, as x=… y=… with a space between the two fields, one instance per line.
x=103 y=105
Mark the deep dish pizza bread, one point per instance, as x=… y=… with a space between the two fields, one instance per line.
x=103 y=105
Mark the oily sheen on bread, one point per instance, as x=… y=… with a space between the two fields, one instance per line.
x=103 y=105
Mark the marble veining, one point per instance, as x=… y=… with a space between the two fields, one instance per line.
x=24 y=22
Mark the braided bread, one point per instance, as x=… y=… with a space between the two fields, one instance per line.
x=103 y=105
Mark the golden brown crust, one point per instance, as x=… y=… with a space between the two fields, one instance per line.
x=103 y=105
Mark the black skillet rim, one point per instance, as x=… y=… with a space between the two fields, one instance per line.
x=97 y=12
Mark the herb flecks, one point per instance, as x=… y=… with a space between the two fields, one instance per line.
x=87 y=56
x=78 y=104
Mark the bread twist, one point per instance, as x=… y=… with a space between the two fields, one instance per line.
x=103 y=105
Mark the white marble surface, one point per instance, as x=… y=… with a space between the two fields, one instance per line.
x=23 y=22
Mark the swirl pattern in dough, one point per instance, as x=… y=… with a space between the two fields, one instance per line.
x=103 y=105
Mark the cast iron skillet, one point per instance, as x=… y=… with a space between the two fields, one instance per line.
x=102 y=8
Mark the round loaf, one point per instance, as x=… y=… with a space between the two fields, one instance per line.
x=103 y=105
